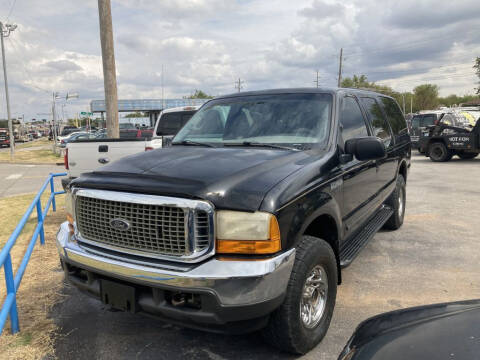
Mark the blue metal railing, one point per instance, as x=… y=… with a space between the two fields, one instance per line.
x=12 y=281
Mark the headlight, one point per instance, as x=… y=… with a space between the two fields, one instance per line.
x=69 y=210
x=247 y=233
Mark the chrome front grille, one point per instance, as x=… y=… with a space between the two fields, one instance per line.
x=152 y=226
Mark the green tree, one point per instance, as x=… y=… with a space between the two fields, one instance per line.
x=199 y=94
x=135 y=115
x=454 y=99
x=477 y=72
x=361 y=81
x=426 y=96
x=357 y=81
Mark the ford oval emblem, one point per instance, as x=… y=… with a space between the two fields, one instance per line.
x=120 y=224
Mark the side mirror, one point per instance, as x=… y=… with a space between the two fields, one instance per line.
x=366 y=148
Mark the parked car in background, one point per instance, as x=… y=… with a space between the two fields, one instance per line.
x=169 y=122
x=443 y=141
x=4 y=138
x=419 y=124
x=67 y=130
x=246 y=221
x=441 y=331
x=83 y=156
x=60 y=138
x=77 y=136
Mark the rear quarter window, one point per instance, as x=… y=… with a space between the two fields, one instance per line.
x=394 y=116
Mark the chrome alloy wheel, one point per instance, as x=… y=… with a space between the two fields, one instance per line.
x=314 y=297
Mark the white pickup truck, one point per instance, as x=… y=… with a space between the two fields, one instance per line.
x=86 y=155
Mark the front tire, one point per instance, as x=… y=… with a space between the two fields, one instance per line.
x=302 y=321
x=438 y=152
x=397 y=202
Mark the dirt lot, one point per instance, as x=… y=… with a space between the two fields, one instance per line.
x=435 y=257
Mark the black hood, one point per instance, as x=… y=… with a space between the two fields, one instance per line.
x=442 y=331
x=231 y=178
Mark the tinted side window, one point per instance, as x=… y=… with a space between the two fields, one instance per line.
x=377 y=119
x=171 y=123
x=394 y=115
x=186 y=117
x=428 y=120
x=416 y=121
x=351 y=120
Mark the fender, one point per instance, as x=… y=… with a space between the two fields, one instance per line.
x=298 y=215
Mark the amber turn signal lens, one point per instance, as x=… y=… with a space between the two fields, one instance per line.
x=70 y=224
x=270 y=246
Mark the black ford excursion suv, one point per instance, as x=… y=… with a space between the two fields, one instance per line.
x=246 y=221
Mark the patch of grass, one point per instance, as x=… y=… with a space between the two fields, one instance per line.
x=41 y=283
x=40 y=156
x=40 y=142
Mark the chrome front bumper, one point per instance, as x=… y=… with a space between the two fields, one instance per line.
x=234 y=283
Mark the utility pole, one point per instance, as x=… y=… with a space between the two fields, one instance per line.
x=340 y=68
x=55 y=96
x=411 y=104
x=163 y=89
x=6 y=33
x=317 y=80
x=109 y=73
x=239 y=85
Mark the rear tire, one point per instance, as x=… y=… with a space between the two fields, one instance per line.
x=467 y=155
x=438 y=152
x=397 y=202
x=287 y=329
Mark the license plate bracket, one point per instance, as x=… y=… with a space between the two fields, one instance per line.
x=118 y=296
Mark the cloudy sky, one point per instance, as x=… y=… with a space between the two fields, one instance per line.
x=208 y=44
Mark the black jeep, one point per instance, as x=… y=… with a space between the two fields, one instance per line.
x=246 y=221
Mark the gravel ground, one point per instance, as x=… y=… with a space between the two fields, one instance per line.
x=434 y=257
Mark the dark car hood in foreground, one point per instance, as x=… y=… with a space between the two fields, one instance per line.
x=443 y=331
x=232 y=178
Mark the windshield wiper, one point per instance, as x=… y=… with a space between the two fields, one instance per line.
x=257 y=144
x=190 y=142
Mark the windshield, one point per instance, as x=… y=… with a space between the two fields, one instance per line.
x=296 y=120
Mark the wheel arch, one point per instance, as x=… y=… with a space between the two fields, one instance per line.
x=403 y=169
x=324 y=226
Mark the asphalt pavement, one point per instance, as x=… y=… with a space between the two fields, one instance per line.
x=434 y=257
x=16 y=179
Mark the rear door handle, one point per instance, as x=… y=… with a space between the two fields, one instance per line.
x=103 y=148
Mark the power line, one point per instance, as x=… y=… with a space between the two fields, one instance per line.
x=407 y=45
x=11 y=9
x=22 y=63
x=410 y=70
x=426 y=79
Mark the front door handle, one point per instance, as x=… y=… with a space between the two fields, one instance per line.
x=103 y=160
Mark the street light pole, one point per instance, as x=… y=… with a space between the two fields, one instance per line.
x=6 y=33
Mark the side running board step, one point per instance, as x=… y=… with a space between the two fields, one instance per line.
x=352 y=247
